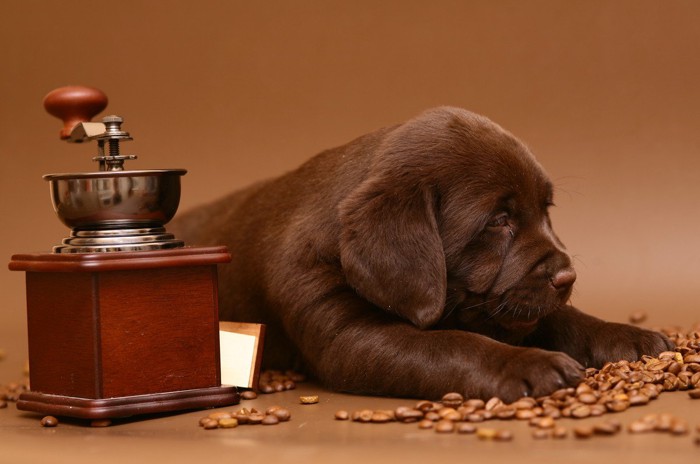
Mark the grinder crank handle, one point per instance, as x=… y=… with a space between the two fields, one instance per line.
x=74 y=104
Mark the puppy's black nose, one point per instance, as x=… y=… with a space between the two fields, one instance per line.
x=563 y=278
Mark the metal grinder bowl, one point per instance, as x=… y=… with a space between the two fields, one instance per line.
x=116 y=199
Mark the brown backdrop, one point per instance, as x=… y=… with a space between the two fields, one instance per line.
x=605 y=93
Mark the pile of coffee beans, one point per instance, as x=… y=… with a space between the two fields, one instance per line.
x=227 y=420
x=614 y=388
x=277 y=381
x=10 y=392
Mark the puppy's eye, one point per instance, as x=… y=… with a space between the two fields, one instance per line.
x=500 y=220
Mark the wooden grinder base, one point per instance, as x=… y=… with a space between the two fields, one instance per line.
x=119 y=334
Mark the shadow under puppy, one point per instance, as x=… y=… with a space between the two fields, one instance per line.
x=413 y=261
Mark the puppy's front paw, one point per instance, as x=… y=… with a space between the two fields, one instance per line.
x=615 y=342
x=535 y=372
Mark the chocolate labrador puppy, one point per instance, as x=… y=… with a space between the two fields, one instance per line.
x=416 y=260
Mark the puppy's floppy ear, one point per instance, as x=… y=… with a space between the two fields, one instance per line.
x=390 y=248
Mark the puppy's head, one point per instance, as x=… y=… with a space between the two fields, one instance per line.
x=453 y=218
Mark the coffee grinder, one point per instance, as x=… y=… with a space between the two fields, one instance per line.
x=122 y=316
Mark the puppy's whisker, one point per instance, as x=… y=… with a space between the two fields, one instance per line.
x=482 y=303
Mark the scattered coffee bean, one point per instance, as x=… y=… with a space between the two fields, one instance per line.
x=277 y=381
x=452 y=400
x=540 y=434
x=342 y=415
x=426 y=424
x=283 y=414
x=249 y=395
x=225 y=420
x=220 y=415
x=49 y=421
x=3 y=404
x=406 y=414
x=379 y=417
x=255 y=418
x=444 y=426
x=209 y=424
x=694 y=394
x=583 y=431
x=559 y=432
x=227 y=423
x=466 y=428
x=486 y=433
x=606 y=428
x=270 y=419
x=503 y=435
x=312 y=399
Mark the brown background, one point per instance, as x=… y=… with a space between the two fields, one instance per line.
x=606 y=93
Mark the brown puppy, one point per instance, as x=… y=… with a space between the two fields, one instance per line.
x=413 y=261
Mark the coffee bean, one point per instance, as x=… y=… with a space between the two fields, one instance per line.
x=255 y=418
x=581 y=411
x=505 y=412
x=466 y=428
x=228 y=423
x=426 y=424
x=266 y=388
x=452 y=400
x=312 y=399
x=283 y=414
x=209 y=424
x=638 y=399
x=219 y=415
x=559 y=432
x=406 y=414
x=342 y=415
x=605 y=428
x=525 y=414
x=694 y=394
x=450 y=414
x=540 y=434
x=486 y=433
x=583 y=431
x=3 y=404
x=49 y=421
x=380 y=417
x=503 y=435
x=679 y=428
x=424 y=406
x=249 y=395
x=444 y=426
x=432 y=415
x=493 y=403
x=269 y=419
x=587 y=398
x=475 y=403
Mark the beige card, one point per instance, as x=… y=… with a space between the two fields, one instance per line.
x=241 y=353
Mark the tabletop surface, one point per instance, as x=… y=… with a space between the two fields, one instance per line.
x=314 y=435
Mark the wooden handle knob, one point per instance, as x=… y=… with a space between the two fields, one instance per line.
x=74 y=104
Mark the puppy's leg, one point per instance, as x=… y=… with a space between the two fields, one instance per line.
x=355 y=347
x=592 y=341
